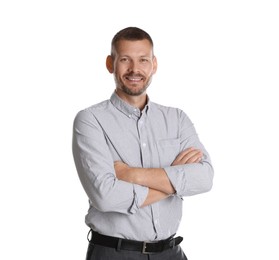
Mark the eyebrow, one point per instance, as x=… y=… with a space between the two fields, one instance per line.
x=141 y=56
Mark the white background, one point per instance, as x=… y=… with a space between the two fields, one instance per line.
x=218 y=61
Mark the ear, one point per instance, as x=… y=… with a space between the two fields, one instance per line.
x=155 y=65
x=109 y=64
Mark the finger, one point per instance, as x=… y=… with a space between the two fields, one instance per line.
x=195 y=158
x=184 y=153
x=191 y=157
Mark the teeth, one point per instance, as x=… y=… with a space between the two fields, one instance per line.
x=134 y=79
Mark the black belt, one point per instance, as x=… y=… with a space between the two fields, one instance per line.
x=132 y=245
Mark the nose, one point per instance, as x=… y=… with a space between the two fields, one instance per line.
x=133 y=67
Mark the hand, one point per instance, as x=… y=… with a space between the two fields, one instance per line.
x=122 y=171
x=190 y=155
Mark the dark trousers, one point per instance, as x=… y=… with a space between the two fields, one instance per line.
x=96 y=252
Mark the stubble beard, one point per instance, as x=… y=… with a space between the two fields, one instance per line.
x=131 y=91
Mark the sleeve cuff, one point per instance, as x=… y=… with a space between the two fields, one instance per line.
x=175 y=175
x=140 y=194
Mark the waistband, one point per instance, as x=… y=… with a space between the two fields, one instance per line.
x=146 y=247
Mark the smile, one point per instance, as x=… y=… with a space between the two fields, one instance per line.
x=134 y=79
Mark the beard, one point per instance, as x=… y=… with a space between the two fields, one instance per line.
x=134 y=90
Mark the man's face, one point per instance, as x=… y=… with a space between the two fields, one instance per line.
x=133 y=66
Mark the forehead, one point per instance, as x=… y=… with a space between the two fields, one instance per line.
x=137 y=47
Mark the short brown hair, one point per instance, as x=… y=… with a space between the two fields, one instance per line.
x=130 y=34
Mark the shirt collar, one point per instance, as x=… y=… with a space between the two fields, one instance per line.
x=126 y=108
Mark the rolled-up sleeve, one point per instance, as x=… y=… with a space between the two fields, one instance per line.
x=140 y=194
x=194 y=178
x=191 y=179
x=95 y=168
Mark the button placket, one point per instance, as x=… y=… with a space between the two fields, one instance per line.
x=143 y=142
x=156 y=219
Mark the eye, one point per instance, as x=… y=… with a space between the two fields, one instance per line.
x=144 y=60
x=124 y=59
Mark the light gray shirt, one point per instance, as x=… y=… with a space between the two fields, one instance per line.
x=152 y=138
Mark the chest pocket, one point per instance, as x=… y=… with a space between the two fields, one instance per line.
x=168 y=149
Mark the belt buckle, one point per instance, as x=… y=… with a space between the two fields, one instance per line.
x=144 y=248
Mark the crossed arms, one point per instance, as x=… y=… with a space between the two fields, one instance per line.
x=155 y=179
x=113 y=186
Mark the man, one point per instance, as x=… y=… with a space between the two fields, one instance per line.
x=136 y=160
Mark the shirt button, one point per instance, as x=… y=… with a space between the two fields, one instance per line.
x=143 y=145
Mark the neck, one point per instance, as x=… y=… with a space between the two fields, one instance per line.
x=135 y=101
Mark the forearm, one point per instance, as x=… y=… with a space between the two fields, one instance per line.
x=154 y=196
x=189 y=174
x=153 y=178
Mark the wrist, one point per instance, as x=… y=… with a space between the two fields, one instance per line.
x=134 y=176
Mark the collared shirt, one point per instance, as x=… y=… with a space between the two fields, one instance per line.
x=152 y=138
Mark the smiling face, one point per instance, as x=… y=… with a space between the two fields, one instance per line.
x=133 y=65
